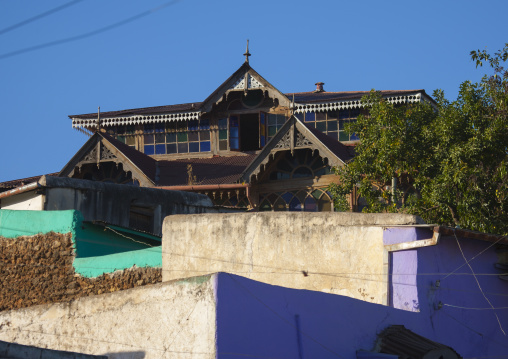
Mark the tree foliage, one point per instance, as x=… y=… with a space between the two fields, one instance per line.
x=449 y=160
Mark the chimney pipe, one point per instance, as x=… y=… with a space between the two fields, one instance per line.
x=319 y=87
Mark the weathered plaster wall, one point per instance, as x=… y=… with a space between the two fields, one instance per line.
x=258 y=320
x=30 y=201
x=39 y=269
x=166 y=320
x=340 y=253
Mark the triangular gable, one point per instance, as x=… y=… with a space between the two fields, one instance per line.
x=295 y=135
x=243 y=79
x=101 y=148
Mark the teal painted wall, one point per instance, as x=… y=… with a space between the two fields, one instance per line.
x=28 y=223
x=97 y=250
x=95 y=266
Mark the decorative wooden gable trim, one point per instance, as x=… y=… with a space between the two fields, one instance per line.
x=292 y=135
x=244 y=79
x=99 y=150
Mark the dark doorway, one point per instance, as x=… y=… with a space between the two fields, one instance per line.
x=249 y=132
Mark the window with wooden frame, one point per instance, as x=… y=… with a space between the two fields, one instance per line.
x=177 y=137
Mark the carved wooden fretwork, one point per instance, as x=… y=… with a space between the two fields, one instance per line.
x=301 y=140
x=285 y=141
x=91 y=156
x=252 y=83
x=106 y=155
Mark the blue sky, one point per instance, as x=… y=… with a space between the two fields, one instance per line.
x=186 y=50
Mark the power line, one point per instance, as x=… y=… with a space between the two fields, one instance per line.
x=477 y=282
x=40 y=16
x=91 y=33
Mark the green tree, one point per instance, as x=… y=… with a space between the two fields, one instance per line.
x=448 y=160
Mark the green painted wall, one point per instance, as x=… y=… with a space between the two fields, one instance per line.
x=98 y=250
x=28 y=223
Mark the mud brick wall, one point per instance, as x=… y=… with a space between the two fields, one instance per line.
x=38 y=270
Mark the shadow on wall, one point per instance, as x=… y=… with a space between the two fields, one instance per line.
x=126 y=355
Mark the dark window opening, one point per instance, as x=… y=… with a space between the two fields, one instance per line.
x=249 y=132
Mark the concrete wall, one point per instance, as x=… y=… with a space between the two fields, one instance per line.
x=340 y=253
x=167 y=320
x=29 y=201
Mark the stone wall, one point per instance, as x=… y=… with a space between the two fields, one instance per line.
x=38 y=269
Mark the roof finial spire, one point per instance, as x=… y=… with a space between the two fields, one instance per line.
x=247 y=54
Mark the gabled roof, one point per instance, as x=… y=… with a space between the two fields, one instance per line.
x=22 y=181
x=103 y=148
x=245 y=78
x=325 y=96
x=295 y=134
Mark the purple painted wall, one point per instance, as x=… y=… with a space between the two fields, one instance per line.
x=261 y=320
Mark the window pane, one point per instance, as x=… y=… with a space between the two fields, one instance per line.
x=320 y=116
x=171 y=127
x=234 y=143
x=121 y=139
x=299 y=116
x=148 y=140
x=160 y=149
x=194 y=147
x=183 y=147
x=205 y=146
x=310 y=205
x=204 y=125
x=343 y=136
x=182 y=137
x=223 y=134
x=193 y=125
x=159 y=127
x=193 y=136
x=149 y=150
x=171 y=148
x=343 y=114
x=223 y=145
x=332 y=125
x=272 y=119
x=159 y=138
x=280 y=120
x=295 y=205
x=131 y=140
x=233 y=131
x=310 y=116
x=171 y=137
x=223 y=123
x=204 y=136
x=272 y=130
x=321 y=126
x=148 y=128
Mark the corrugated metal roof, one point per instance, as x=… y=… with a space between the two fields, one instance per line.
x=396 y=339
